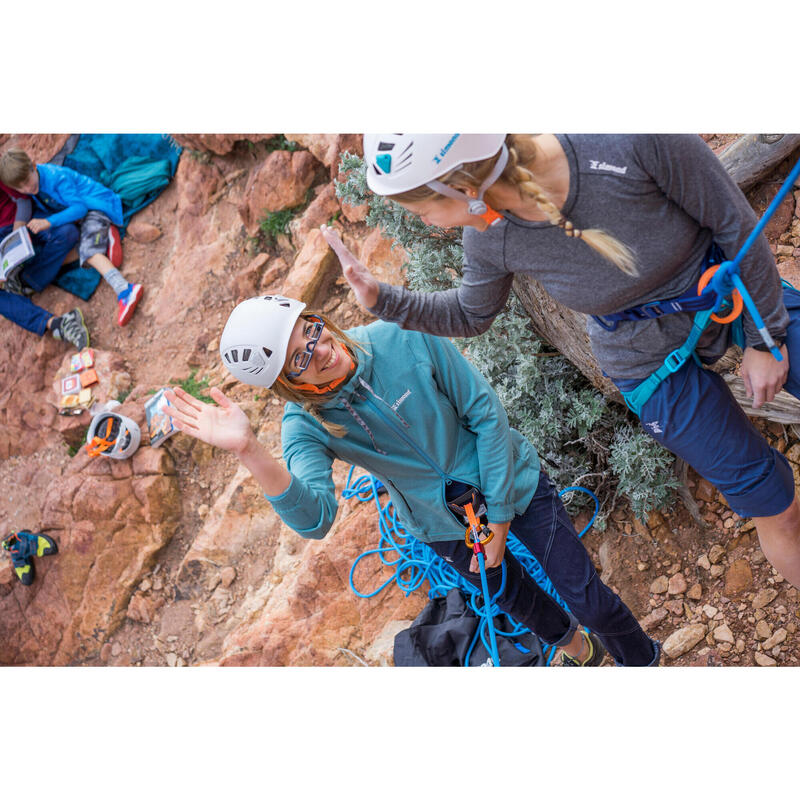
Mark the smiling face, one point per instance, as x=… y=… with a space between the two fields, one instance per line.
x=329 y=361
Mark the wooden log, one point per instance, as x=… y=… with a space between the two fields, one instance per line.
x=749 y=158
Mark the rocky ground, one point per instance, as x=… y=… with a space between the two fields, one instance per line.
x=173 y=558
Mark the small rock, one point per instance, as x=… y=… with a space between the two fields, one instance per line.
x=674 y=607
x=777 y=638
x=764 y=597
x=738 y=578
x=202 y=510
x=757 y=558
x=143 y=232
x=709 y=611
x=716 y=570
x=677 y=584
x=716 y=554
x=683 y=640
x=105 y=652
x=641 y=566
x=722 y=633
x=659 y=585
x=740 y=645
x=172 y=659
x=763 y=660
x=695 y=592
x=763 y=629
x=228 y=576
x=116 y=649
x=653 y=619
x=703 y=562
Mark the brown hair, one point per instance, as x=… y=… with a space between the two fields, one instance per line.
x=522 y=154
x=15 y=166
x=311 y=402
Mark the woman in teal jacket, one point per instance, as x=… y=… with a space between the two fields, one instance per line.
x=410 y=409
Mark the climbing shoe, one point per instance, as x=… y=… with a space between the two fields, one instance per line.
x=114 y=252
x=128 y=301
x=70 y=327
x=592 y=654
x=22 y=546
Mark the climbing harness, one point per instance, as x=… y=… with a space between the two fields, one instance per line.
x=414 y=563
x=717 y=284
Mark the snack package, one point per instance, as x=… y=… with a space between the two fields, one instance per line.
x=76 y=363
x=87 y=357
x=85 y=397
x=159 y=425
x=88 y=377
x=70 y=385
x=69 y=400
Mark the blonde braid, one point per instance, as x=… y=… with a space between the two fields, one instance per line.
x=606 y=245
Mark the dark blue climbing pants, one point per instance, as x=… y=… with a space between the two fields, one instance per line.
x=546 y=530
x=52 y=245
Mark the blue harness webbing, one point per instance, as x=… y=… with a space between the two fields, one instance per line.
x=725 y=280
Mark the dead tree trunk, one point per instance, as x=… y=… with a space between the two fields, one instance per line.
x=748 y=159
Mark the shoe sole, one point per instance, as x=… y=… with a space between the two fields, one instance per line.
x=52 y=547
x=114 y=252
x=136 y=296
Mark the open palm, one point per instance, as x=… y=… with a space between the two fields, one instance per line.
x=364 y=285
x=224 y=425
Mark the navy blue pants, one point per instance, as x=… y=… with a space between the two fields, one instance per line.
x=547 y=532
x=694 y=415
x=52 y=245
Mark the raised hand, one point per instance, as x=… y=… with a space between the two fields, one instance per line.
x=364 y=285
x=224 y=425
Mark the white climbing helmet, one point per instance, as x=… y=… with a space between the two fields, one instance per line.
x=256 y=336
x=398 y=162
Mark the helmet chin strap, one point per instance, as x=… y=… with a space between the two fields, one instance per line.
x=328 y=387
x=476 y=205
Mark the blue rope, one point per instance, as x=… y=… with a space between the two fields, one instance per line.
x=414 y=563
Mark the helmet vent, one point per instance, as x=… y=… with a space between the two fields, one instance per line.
x=246 y=355
x=267 y=352
x=285 y=305
x=235 y=356
x=385 y=146
x=227 y=358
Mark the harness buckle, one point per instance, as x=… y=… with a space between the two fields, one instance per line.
x=675 y=360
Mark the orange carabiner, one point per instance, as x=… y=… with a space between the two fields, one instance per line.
x=738 y=303
x=474 y=525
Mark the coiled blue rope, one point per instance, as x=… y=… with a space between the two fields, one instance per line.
x=414 y=563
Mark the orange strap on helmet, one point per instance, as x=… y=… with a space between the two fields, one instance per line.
x=738 y=302
x=98 y=445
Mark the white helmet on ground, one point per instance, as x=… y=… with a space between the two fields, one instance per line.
x=398 y=162
x=256 y=336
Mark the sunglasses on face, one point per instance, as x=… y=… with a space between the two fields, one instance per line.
x=312 y=330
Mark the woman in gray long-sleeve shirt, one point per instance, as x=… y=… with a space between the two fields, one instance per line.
x=606 y=223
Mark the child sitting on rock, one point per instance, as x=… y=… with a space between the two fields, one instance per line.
x=62 y=195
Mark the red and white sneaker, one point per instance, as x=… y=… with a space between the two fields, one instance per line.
x=128 y=301
x=114 y=252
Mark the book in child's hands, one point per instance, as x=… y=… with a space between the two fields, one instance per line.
x=15 y=249
x=159 y=424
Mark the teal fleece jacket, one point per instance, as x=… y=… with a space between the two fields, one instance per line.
x=417 y=415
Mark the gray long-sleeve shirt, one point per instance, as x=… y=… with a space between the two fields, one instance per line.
x=666 y=197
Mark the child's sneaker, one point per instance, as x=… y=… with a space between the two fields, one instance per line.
x=114 y=251
x=595 y=652
x=71 y=327
x=128 y=301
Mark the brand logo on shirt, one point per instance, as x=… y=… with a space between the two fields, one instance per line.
x=400 y=399
x=601 y=165
x=655 y=427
